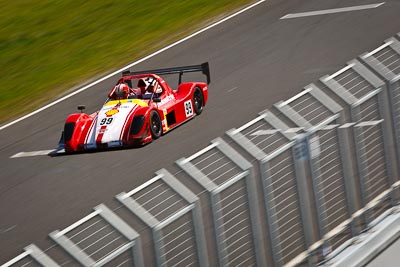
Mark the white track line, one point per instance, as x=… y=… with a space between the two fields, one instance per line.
x=33 y=153
x=330 y=11
x=131 y=65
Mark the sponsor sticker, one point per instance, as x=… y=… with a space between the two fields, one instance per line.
x=112 y=112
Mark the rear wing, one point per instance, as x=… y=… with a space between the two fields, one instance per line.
x=204 y=68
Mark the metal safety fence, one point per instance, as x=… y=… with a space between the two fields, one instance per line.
x=301 y=180
x=226 y=176
x=273 y=149
x=325 y=158
x=173 y=213
x=385 y=60
x=32 y=256
x=99 y=239
x=366 y=97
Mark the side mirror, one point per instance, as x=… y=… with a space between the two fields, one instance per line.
x=157 y=99
x=81 y=107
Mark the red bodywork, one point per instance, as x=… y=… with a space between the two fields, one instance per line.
x=131 y=117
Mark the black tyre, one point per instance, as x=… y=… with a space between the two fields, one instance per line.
x=155 y=124
x=198 y=100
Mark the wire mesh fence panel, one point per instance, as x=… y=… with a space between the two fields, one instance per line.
x=264 y=135
x=234 y=223
x=364 y=92
x=283 y=206
x=385 y=61
x=99 y=238
x=31 y=257
x=227 y=177
x=179 y=242
x=329 y=181
x=124 y=260
x=176 y=241
x=372 y=136
x=278 y=177
x=394 y=90
x=375 y=176
x=149 y=199
x=95 y=243
x=216 y=166
x=327 y=158
x=26 y=262
x=310 y=108
x=173 y=213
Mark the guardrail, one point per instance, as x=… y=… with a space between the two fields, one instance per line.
x=295 y=185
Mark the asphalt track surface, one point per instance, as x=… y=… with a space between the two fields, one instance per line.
x=256 y=59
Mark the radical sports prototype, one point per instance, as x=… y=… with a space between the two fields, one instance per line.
x=135 y=116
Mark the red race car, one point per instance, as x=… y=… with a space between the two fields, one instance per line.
x=140 y=107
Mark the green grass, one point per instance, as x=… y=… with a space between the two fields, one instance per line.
x=50 y=46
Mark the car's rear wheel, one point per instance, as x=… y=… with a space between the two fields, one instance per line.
x=198 y=100
x=155 y=124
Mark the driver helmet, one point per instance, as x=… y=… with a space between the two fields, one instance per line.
x=121 y=91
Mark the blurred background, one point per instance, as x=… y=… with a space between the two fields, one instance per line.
x=48 y=48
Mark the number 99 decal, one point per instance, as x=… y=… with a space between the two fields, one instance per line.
x=188 y=108
x=106 y=121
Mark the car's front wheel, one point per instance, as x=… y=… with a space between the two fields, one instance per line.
x=155 y=124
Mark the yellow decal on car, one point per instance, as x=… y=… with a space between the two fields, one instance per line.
x=112 y=112
x=164 y=122
x=126 y=101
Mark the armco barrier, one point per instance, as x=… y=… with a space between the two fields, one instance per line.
x=328 y=163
